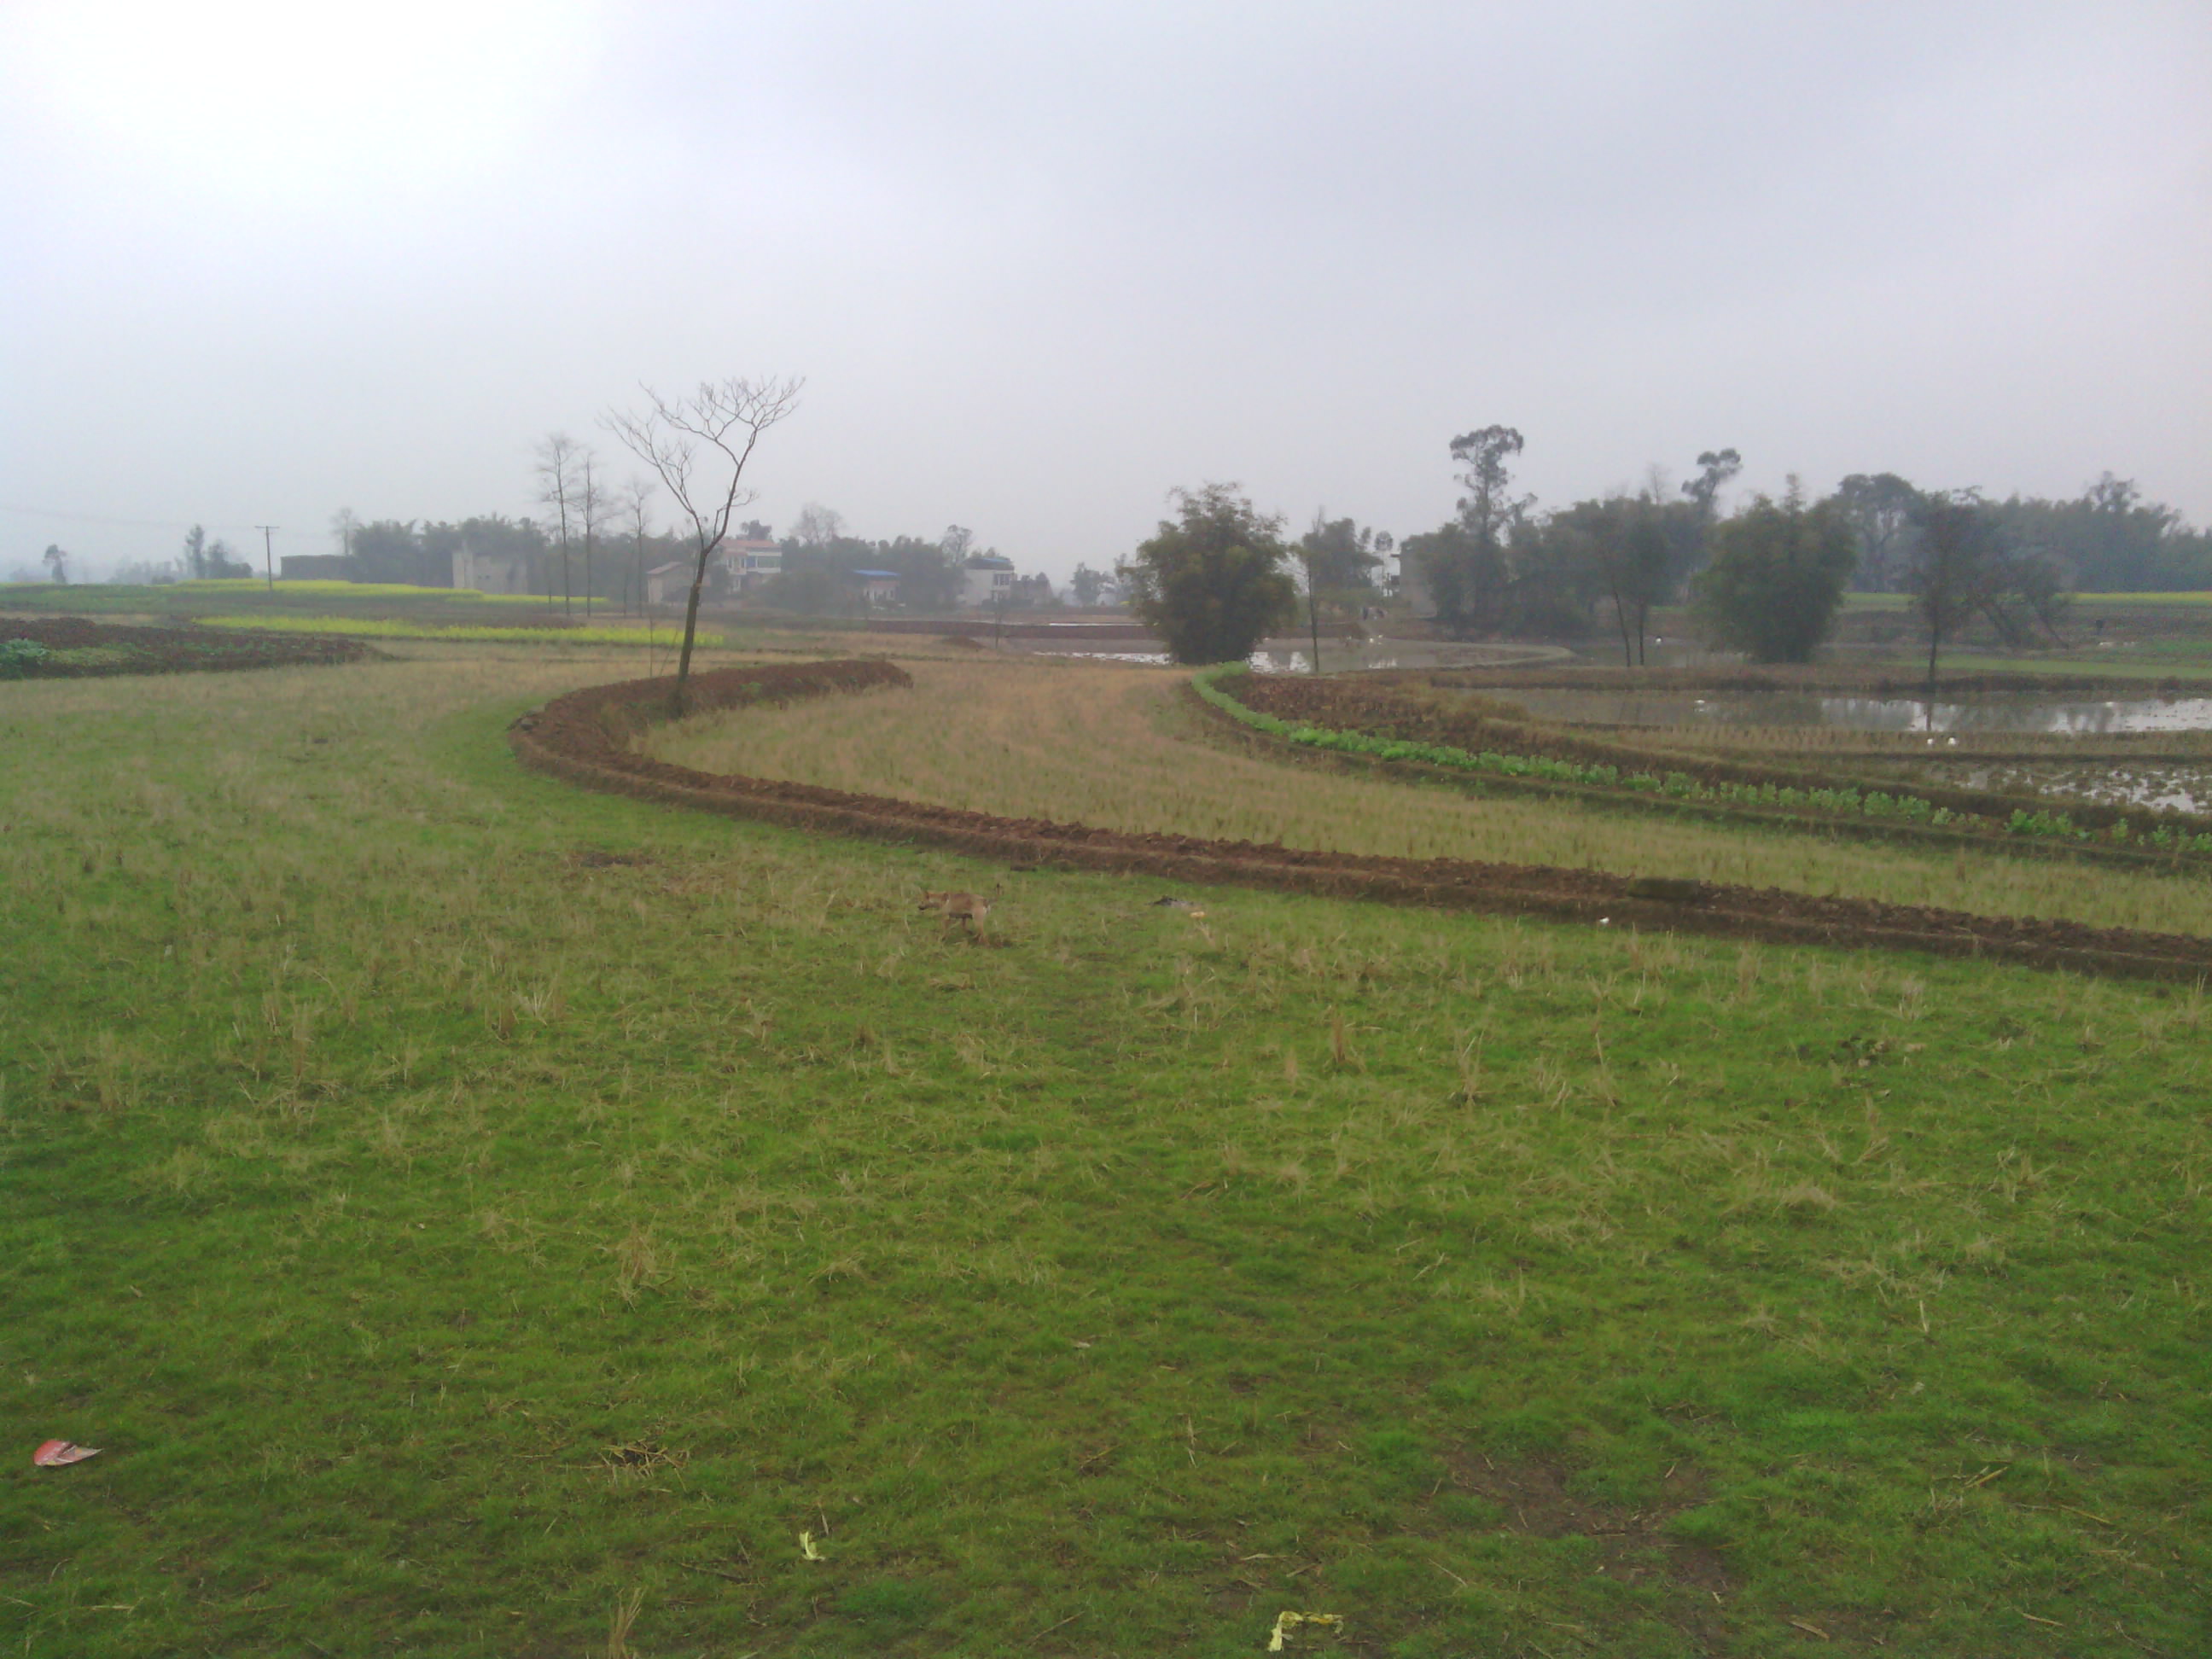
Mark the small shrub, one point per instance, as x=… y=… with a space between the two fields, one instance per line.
x=18 y=657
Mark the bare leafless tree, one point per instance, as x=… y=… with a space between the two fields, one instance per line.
x=343 y=523
x=817 y=525
x=637 y=507
x=593 y=501
x=698 y=447
x=556 y=487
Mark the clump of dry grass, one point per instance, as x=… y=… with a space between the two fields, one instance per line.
x=637 y=1264
x=618 y=1624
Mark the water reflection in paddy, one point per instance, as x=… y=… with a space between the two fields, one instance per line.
x=1342 y=656
x=2180 y=787
x=2043 y=716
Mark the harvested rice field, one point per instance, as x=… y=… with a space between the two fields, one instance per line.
x=1120 y=746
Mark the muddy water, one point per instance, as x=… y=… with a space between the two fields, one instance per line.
x=1287 y=656
x=2180 y=785
x=2041 y=716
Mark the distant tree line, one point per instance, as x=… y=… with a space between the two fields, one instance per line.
x=420 y=552
x=1769 y=578
x=820 y=555
x=202 y=558
x=209 y=558
x=818 y=558
x=2109 y=539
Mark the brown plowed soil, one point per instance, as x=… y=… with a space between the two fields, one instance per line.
x=585 y=737
x=171 y=650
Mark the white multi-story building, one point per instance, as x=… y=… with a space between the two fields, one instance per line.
x=986 y=578
x=751 y=562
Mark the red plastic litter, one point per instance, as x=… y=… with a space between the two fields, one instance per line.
x=54 y=1452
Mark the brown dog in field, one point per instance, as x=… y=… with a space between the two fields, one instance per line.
x=968 y=908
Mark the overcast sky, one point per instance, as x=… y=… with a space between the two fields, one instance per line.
x=1039 y=263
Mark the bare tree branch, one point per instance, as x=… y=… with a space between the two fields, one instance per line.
x=592 y=504
x=556 y=470
x=698 y=447
x=637 y=504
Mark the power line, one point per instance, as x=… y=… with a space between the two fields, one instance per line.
x=129 y=524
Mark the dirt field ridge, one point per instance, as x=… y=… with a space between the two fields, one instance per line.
x=586 y=737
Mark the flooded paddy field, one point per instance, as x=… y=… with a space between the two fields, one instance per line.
x=2163 y=786
x=1295 y=656
x=2035 y=716
x=2009 y=742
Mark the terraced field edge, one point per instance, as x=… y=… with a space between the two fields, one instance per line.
x=1372 y=722
x=587 y=737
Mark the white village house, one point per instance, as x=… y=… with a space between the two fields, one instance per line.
x=743 y=565
x=875 y=587
x=668 y=584
x=751 y=562
x=985 y=579
x=489 y=573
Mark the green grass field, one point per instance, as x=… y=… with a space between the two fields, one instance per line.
x=478 y=1217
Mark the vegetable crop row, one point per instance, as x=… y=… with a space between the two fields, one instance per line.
x=1848 y=801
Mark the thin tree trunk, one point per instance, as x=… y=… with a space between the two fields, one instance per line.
x=690 y=628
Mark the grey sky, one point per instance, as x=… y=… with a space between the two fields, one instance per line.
x=1040 y=262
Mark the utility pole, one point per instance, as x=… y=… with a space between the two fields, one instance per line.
x=268 y=558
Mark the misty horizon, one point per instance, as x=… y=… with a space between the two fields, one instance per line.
x=1040 y=270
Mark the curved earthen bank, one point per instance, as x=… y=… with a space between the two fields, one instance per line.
x=586 y=737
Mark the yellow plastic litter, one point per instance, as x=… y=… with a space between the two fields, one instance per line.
x=1288 y=1622
x=807 y=1547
